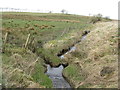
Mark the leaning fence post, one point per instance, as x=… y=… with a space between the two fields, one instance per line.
x=6 y=37
x=5 y=40
x=27 y=40
x=63 y=32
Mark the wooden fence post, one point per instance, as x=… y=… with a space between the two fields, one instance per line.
x=6 y=37
x=27 y=40
x=63 y=32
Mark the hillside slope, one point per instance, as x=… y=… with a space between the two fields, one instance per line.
x=95 y=61
x=30 y=40
x=26 y=41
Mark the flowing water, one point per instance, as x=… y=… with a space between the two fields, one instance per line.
x=55 y=73
x=73 y=48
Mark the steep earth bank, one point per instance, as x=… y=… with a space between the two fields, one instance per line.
x=94 y=64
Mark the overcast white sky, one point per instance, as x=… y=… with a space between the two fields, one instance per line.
x=81 y=7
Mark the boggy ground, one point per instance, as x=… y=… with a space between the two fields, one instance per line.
x=28 y=44
x=24 y=65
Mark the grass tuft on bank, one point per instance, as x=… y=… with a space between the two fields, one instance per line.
x=97 y=55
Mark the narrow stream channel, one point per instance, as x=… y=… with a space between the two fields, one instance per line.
x=73 y=48
x=55 y=73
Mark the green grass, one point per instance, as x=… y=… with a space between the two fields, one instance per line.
x=51 y=15
x=22 y=62
x=49 y=57
x=49 y=34
x=74 y=72
x=40 y=77
x=25 y=25
x=98 y=50
x=45 y=30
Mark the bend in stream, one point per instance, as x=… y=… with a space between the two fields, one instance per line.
x=55 y=73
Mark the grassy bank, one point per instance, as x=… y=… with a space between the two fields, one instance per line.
x=97 y=56
x=30 y=40
x=53 y=35
x=24 y=69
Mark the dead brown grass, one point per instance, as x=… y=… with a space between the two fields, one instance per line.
x=98 y=50
x=18 y=70
x=28 y=17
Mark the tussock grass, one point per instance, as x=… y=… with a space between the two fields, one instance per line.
x=42 y=36
x=49 y=34
x=75 y=73
x=98 y=50
x=22 y=70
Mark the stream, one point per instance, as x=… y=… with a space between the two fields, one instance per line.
x=73 y=48
x=55 y=73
